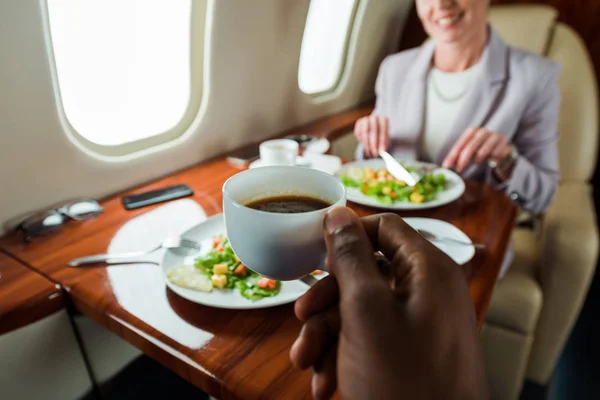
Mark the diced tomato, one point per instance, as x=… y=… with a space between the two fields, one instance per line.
x=267 y=283
x=220 y=249
x=241 y=270
x=216 y=242
x=317 y=272
x=365 y=188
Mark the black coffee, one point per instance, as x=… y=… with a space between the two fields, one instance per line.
x=288 y=204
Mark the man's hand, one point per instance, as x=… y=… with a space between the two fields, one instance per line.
x=407 y=332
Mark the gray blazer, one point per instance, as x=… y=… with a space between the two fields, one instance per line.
x=518 y=97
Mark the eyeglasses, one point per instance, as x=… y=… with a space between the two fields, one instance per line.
x=52 y=220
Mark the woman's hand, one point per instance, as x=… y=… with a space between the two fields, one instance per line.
x=475 y=146
x=373 y=132
x=409 y=331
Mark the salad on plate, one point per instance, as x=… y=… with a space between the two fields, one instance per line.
x=382 y=186
x=221 y=269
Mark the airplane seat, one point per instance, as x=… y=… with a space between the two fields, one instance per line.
x=535 y=306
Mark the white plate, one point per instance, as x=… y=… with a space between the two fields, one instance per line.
x=460 y=254
x=204 y=233
x=300 y=161
x=455 y=187
x=291 y=290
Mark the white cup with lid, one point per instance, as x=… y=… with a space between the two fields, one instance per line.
x=279 y=152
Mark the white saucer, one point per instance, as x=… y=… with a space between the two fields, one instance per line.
x=460 y=254
x=300 y=162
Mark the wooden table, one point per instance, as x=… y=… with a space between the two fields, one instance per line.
x=229 y=354
x=25 y=296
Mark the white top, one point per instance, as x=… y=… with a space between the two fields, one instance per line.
x=446 y=95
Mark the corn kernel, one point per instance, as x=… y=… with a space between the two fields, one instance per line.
x=386 y=190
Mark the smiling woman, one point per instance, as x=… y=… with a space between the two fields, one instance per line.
x=451 y=102
x=123 y=68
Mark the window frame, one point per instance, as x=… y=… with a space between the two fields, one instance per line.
x=199 y=14
x=345 y=54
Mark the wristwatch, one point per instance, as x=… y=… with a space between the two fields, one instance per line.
x=504 y=167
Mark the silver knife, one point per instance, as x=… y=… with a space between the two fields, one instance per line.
x=397 y=170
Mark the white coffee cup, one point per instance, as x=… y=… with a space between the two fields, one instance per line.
x=279 y=246
x=278 y=152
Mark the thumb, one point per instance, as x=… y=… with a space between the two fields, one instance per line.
x=350 y=254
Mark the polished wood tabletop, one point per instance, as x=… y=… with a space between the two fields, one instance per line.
x=25 y=296
x=229 y=354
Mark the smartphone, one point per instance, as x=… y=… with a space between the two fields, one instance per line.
x=156 y=196
x=243 y=158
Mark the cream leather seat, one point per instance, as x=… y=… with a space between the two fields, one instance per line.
x=535 y=305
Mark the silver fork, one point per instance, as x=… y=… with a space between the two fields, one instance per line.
x=435 y=238
x=178 y=245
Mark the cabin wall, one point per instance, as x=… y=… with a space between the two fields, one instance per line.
x=253 y=50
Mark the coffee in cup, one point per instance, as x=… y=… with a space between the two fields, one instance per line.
x=274 y=218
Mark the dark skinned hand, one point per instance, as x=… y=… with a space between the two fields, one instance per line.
x=406 y=331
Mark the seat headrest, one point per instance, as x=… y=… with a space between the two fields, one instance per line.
x=526 y=26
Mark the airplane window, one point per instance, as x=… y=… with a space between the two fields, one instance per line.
x=123 y=67
x=324 y=44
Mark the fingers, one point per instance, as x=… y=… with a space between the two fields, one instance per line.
x=501 y=151
x=469 y=151
x=320 y=297
x=452 y=157
x=324 y=380
x=373 y=133
x=384 y=133
x=318 y=334
x=350 y=254
x=476 y=146
x=359 y=130
x=390 y=234
x=487 y=148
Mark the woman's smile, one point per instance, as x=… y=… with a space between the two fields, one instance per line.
x=448 y=21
